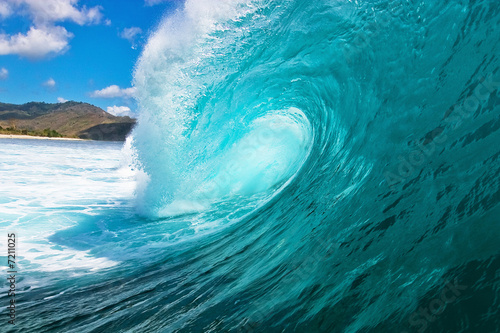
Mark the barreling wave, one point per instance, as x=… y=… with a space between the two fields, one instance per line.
x=211 y=127
x=312 y=166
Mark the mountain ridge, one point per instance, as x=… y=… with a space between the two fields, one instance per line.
x=69 y=119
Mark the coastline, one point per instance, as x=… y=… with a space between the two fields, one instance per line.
x=20 y=136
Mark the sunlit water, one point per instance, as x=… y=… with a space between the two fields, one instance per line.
x=308 y=166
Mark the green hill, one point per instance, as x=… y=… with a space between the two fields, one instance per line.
x=69 y=119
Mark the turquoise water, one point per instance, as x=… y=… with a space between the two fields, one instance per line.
x=298 y=166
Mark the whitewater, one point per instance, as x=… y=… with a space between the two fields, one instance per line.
x=297 y=166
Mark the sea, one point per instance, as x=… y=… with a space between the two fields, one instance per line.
x=297 y=166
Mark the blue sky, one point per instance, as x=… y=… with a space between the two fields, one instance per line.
x=57 y=50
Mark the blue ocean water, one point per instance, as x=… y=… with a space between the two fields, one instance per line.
x=298 y=166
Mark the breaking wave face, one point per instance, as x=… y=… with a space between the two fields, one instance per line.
x=309 y=166
x=346 y=154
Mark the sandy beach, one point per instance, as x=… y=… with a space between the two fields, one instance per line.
x=17 y=136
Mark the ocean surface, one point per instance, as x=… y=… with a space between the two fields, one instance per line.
x=298 y=166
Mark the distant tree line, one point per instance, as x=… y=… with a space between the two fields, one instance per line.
x=46 y=132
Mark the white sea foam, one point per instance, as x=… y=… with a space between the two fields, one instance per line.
x=51 y=186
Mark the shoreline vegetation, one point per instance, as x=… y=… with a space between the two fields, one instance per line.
x=49 y=133
x=35 y=137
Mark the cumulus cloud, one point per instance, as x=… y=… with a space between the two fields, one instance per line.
x=61 y=100
x=49 y=11
x=50 y=83
x=4 y=73
x=36 y=42
x=5 y=9
x=44 y=36
x=113 y=91
x=130 y=34
x=119 y=110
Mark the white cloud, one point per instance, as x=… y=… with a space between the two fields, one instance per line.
x=113 y=92
x=36 y=43
x=61 y=100
x=119 y=110
x=4 y=73
x=44 y=36
x=50 y=83
x=130 y=33
x=48 y=11
x=107 y=22
x=5 y=9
